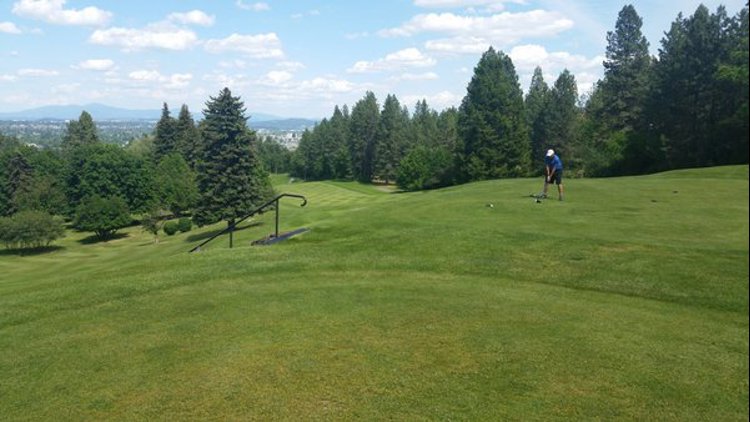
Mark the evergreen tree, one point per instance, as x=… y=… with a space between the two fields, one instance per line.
x=175 y=182
x=18 y=180
x=231 y=179
x=492 y=123
x=339 y=134
x=690 y=104
x=363 y=134
x=391 y=139
x=424 y=125
x=80 y=132
x=187 y=137
x=626 y=72
x=536 y=106
x=165 y=135
x=563 y=114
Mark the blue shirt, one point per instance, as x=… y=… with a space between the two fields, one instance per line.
x=553 y=161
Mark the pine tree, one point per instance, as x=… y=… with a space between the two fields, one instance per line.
x=231 y=179
x=536 y=105
x=563 y=114
x=391 y=139
x=187 y=137
x=626 y=72
x=363 y=133
x=80 y=133
x=18 y=175
x=165 y=135
x=492 y=123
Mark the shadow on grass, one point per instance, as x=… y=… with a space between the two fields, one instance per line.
x=90 y=240
x=203 y=236
x=31 y=251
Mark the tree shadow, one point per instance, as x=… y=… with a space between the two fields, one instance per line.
x=31 y=251
x=203 y=236
x=93 y=239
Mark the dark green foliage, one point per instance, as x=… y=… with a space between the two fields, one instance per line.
x=165 y=135
x=275 y=157
x=152 y=223
x=391 y=141
x=30 y=229
x=562 y=115
x=187 y=137
x=231 y=179
x=81 y=132
x=363 y=132
x=109 y=170
x=425 y=168
x=176 y=187
x=424 y=125
x=492 y=123
x=17 y=180
x=184 y=224
x=103 y=216
x=537 y=114
x=171 y=227
x=697 y=108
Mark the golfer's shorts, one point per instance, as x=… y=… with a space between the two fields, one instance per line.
x=557 y=177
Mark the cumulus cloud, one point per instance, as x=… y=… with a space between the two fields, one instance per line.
x=9 y=28
x=276 y=77
x=95 y=64
x=438 y=101
x=470 y=34
x=173 y=81
x=255 y=7
x=527 y=57
x=427 y=76
x=406 y=58
x=131 y=39
x=193 y=17
x=494 y=4
x=53 y=11
x=261 y=46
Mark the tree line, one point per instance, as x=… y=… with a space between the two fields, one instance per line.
x=688 y=107
x=210 y=171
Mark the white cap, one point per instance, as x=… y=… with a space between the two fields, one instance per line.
x=550 y=152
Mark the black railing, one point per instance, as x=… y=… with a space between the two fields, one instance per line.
x=234 y=224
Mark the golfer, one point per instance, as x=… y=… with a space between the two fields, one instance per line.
x=553 y=169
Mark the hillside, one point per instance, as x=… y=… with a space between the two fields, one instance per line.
x=627 y=301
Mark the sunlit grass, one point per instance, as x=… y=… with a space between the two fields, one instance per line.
x=627 y=301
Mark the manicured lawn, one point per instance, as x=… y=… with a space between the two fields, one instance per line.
x=627 y=301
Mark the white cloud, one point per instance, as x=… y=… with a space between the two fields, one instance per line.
x=37 y=72
x=427 y=76
x=326 y=85
x=193 y=17
x=53 y=11
x=95 y=64
x=131 y=39
x=437 y=101
x=8 y=78
x=276 y=77
x=173 y=81
x=472 y=34
x=255 y=7
x=495 y=4
x=527 y=57
x=9 y=28
x=406 y=58
x=261 y=46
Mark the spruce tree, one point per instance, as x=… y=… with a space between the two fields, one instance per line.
x=391 y=139
x=536 y=106
x=81 y=132
x=363 y=133
x=231 y=179
x=187 y=137
x=492 y=123
x=165 y=135
x=563 y=114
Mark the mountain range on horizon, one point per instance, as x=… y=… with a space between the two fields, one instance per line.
x=105 y=112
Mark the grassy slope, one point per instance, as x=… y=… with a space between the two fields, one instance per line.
x=629 y=300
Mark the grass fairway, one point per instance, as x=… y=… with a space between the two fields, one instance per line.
x=627 y=301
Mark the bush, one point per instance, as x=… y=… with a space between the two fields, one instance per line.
x=184 y=224
x=30 y=229
x=171 y=227
x=424 y=168
x=103 y=216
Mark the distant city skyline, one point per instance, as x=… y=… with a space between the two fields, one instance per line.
x=298 y=59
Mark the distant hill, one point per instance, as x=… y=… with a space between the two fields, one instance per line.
x=105 y=112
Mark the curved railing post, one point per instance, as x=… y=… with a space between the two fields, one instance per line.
x=231 y=226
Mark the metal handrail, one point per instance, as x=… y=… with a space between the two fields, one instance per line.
x=232 y=226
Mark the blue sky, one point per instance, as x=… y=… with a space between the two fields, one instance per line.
x=297 y=58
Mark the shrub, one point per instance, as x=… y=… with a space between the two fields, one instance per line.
x=30 y=229
x=424 y=168
x=184 y=224
x=171 y=227
x=103 y=216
